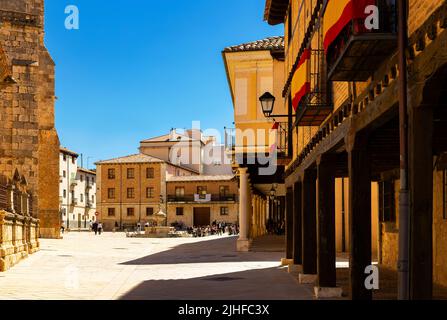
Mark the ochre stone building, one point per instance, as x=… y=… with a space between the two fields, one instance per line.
x=132 y=189
x=201 y=200
x=29 y=143
x=341 y=86
x=129 y=190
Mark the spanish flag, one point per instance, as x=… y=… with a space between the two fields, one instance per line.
x=338 y=14
x=301 y=79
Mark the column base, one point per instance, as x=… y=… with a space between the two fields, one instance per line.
x=295 y=269
x=243 y=245
x=327 y=293
x=307 y=278
x=50 y=233
x=286 y=262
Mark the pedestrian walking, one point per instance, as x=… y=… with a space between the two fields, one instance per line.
x=95 y=228
x=100 y=228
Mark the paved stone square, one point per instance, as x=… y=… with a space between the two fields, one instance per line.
x=85 y=267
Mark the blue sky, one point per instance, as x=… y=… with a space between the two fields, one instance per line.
x=137 y=68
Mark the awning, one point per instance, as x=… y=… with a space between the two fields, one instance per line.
x=301 y=79
x=338 y=14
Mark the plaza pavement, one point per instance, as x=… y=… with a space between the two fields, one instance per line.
x=83 y=266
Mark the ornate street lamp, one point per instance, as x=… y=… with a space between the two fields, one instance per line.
x=267 y=103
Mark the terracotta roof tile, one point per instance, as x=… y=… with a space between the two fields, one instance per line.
x=271 y=43
x=135 y=158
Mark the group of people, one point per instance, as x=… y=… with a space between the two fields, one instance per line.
x=216 y=228
x=96 y=227
x=276 y=228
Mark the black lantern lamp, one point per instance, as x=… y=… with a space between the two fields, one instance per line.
x=267 y=103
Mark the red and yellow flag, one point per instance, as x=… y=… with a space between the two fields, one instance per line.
x=301 y=79
x=338 y=14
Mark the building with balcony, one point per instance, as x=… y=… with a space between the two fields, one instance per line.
x=347 y=90
x=77 y=192
x=195 y=201
x=132 y=189
x=259 y=145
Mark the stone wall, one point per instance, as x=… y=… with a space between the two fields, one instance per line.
x=390 y=234
x=18 y=238
x=28 y=139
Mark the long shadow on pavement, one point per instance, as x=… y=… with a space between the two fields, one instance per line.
x=260 y=284
x=207 y=251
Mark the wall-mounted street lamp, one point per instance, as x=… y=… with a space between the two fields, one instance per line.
x=268 y=104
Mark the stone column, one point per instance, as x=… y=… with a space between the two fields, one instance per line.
x=326 y=254
x=359 y=218
x=297 y=225
x=11 y=199
x=421 y=204
x=260 y=216
x=250 y=211
x=255 y=217
x=268 y=213
x=289 y=224
x=309 y=224
x=243 y=243
x=264 y=216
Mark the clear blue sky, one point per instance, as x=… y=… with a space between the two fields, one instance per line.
x=137 y=68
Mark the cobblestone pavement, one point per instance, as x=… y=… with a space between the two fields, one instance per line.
x=111 y=266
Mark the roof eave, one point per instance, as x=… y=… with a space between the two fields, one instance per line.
x=275 y=11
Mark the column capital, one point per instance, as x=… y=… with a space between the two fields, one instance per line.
x=243 y=171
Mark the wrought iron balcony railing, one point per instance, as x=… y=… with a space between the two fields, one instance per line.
x=358 y=51
x=196 y=198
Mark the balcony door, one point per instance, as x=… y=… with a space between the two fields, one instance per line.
x=202 y=192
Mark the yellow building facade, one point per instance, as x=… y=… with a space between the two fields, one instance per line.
x=253 y=69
